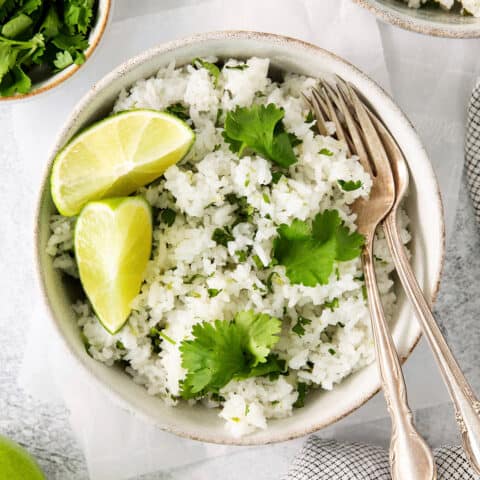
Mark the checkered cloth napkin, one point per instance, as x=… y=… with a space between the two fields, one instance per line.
x=330 y=460
x=472 y=150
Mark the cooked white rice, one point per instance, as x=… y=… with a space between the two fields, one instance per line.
x=186 y=261
x=469 y=6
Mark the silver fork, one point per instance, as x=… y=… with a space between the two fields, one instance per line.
x=467 y=405
x=410 y=456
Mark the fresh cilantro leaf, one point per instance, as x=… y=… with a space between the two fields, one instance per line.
x=16 y=81
x=266 y=198
x=256 y=128
x=16 y=26
x=309 y=253
x=179 y=110
x=258 y=263
x=326 y=151
x=70 y=42
x=222 y=351
x=294 y=140
x=332 y=305
x=299 y=327
x=6 y=8
x=8 y=57
x=302 y=390
x=260 y=332
x=213 y=292
x=168 y=216
x=242 y=255
x=78 y=15
x=310 y=117
x=51 y=24
x=212 y=69
x=31 y=6
x=349 y=245
x=63 y=60
x=273 y=367
x=244 y=211
x=41 y=32
x=276 y=176
x=350 y=185
x=190 y=280
x=13 y=53
x=79 y=58
x=222 y=236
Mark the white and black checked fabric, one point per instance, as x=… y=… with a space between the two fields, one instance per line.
x=330 y=460
x=472 y=150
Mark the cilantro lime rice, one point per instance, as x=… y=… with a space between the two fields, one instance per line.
x=254 y=294
x=471 y=7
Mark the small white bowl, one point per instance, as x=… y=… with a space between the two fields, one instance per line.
x=98 y=29
x=427 y=20
x=423 y=205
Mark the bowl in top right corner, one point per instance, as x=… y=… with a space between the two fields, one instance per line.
x=429 y=20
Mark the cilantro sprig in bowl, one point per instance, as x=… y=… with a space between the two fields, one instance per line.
x=244 y=343
x=44 y=42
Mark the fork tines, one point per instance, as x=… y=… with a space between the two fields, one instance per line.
x=340 y=104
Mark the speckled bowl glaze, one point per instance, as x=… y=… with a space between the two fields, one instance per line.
x=424 y=207
x=96 y=34
x=427 y=20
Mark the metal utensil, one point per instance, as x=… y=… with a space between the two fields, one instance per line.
x=467 y=405
x=410 y=456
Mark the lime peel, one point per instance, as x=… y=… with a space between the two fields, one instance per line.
x=113 y=243
x=116 y=156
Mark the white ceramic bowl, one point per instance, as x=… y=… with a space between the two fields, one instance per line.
x=98 y=29
x=428 y=20
x=424 y=207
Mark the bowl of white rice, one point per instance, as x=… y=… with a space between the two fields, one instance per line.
x=214 y=254
x=440 y=18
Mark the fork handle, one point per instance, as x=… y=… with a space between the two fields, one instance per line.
x=410 y=456
x=467 y=406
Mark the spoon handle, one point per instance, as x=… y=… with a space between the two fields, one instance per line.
x=410 y=456
x=466 y=403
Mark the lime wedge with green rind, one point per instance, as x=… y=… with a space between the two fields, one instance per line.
x=113 y=243
x=16 y=463
x=116 y=156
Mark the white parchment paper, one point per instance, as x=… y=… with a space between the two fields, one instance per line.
x=118 y=446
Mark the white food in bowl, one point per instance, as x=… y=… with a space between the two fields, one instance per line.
x=429 y=20
x=470 y=6
x=322 y=408
x=204 y=191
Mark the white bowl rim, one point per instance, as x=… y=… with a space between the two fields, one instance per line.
x=419 y=25
x=131 y=64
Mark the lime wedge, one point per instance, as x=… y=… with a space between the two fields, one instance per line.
x=116 y=156
x=113 y=242
x=16 y=463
